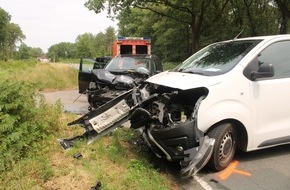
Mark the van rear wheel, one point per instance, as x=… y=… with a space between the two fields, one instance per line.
x=225 y=145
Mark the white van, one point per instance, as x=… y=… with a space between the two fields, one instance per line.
x=231 y=94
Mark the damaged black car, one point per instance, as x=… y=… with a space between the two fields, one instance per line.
x=121 y=73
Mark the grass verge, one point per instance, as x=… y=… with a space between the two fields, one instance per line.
x=44 y=76
x=38 y=162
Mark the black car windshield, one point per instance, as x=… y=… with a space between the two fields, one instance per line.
x=218 y=58
x=128 y=63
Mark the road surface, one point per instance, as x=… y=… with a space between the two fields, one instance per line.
x=72 y=101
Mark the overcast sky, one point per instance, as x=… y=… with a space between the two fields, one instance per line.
x=48 y=22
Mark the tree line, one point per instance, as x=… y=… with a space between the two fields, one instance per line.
x=181 y=27
x=177 y=28
x=86 y=45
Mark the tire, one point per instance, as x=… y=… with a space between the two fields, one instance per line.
x=225 y=145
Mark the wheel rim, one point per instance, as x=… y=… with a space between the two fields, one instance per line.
x=226 y=148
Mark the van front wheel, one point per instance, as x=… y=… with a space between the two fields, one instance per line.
x=224 y=150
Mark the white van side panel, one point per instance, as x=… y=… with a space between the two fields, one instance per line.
x=230 y=99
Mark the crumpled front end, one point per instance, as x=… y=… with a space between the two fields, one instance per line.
x=108 y=85
x=167 y=118
x=169 y=124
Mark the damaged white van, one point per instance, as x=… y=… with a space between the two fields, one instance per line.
x=229 y=95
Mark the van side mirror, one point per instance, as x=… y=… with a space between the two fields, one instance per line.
x=264 y=70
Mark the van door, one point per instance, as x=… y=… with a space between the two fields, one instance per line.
x=271 y=98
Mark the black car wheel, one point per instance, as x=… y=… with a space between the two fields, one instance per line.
x=224 y=150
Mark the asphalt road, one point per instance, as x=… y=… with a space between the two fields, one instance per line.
x=267 y=169
x=71 y=100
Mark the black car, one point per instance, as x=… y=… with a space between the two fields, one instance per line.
x=120 y=74
x=103 y=60
x=98 y=63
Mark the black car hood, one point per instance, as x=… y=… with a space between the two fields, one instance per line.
x=117 y=79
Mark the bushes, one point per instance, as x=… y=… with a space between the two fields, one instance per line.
x=24 y=122
x=28 y=125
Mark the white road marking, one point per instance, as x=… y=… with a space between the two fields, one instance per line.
x=202 y=183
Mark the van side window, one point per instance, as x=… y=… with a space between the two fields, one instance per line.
x=277 y=54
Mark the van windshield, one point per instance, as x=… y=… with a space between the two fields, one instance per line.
x=217 y=58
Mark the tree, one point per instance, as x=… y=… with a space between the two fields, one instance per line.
x=36 y=52
x=89 y=45
x=253 y=17
x=85 y=45
x=10 y=35
x=284 y=6
x=103 y=42
x=53 y=53
x=24 y=52
x=4 y=20
x=110 y=37
x=170 y=40
x=129 y=22
x=63 y=50
x=195 y=14
x=14 y=36
x=100 y=45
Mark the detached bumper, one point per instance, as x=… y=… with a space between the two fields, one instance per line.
x=197 y=158
x=101 y=121
x=184 y=143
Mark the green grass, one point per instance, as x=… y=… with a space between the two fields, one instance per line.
x=43 y=164
x=117 y=164
x=169 y=65
x=42 y=75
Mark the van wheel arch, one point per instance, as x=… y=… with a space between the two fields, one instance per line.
x=242 y=134
x=229 y=135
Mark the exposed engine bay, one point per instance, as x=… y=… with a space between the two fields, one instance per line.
x=167 y=118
